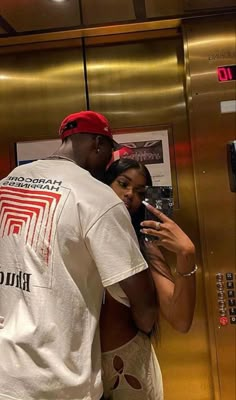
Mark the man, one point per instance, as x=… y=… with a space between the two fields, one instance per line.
x=63 y=237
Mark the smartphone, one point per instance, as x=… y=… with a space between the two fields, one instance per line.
x=160 y=197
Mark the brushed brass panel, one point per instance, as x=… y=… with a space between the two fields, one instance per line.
x=139 y=85
x=136 y=82
x=38 y=89
x=211 y=43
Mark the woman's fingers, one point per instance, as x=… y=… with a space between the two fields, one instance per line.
x=153 y=232
x=167 y=232
x=151 y=224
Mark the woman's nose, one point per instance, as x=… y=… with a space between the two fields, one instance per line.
x=129 y=193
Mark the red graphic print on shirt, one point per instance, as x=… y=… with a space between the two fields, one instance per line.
x=29 y=213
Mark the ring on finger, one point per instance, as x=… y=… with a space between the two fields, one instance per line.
x=158 y=226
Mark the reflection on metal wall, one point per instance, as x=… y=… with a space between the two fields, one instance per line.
x=209 y=45
x=141 y=84
x=39 y=88
x=136 y=84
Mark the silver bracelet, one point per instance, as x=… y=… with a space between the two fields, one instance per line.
x=189 y=273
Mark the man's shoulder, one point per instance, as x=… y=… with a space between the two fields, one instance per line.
x=95 y=188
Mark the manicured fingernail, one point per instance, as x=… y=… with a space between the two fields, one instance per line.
x=145 y=203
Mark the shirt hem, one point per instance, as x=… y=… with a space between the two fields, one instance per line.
x=124 y=275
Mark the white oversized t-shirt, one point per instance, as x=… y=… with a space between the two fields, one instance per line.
x=63 y=236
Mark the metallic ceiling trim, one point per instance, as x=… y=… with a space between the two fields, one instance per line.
x=91 y=32
x=132 y=36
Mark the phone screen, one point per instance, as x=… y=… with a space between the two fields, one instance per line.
x=160 y=197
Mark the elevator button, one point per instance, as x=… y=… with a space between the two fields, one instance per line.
x=221 y=303
x=224 y=321
x=219 y=277
x=230 y=285
x=230 y=293
x=220 y=295
x=229 y=276
x=233 y=320
x=232 y=302
x=232 y=311
x=222 y=312
x=220 y=285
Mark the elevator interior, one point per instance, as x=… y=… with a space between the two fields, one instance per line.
x=147 y=79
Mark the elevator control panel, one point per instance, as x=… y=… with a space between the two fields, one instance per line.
x=226 y=297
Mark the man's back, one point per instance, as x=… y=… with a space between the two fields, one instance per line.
x=57 y=252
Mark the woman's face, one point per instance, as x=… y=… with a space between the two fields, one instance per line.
x=130 y=187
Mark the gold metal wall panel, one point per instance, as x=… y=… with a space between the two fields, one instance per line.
x=211 y=43
x=135 y=84
x=39 y=89
x=33 y=15
x=141 y=84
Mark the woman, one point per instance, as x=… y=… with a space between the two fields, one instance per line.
x=130 y=367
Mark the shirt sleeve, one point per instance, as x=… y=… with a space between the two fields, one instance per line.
x=114 y=247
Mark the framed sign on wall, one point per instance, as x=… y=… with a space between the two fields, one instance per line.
x=150 y=147
x=28 y=151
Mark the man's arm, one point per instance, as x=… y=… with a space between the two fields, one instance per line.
x=113 y=245
x=141 y=293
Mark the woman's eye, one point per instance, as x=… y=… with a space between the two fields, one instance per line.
x=122 y=184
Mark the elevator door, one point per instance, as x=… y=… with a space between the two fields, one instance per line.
x=210 y=45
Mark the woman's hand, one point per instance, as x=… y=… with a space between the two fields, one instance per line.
x=168 y=233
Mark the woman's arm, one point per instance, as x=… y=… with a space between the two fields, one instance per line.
x=176 y=297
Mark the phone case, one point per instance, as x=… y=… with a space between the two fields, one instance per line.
x=160 y=197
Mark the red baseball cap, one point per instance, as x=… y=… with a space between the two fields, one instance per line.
x=86 y=122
